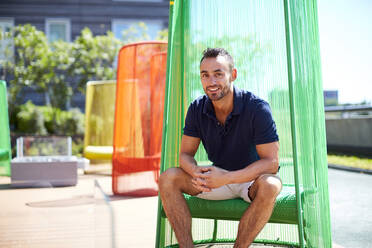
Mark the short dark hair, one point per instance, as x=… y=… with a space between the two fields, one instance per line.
x=214 y=52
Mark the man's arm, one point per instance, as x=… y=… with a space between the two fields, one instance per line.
x=267 y=164
x=189 y=146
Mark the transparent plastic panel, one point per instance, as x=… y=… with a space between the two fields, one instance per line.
x=43 y=146
x=104 y=219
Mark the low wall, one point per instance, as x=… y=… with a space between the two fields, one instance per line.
x=353 y=135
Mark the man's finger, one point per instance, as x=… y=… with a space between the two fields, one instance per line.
x=205 y=168
x=202 y=188
x=198 y=181
x=200 y=185
x=205 y=176
x=206 y=189
x=197 y=174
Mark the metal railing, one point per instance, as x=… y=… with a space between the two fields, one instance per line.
x=348 y=111
x=350 y=108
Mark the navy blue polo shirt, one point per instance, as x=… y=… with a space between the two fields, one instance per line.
x=232 y=146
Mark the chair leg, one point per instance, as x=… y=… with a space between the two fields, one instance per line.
x=215 y=230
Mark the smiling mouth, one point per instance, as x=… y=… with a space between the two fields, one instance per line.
x=213 y=89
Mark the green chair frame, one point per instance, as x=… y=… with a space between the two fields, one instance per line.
x=5 y=150
x=301 y=216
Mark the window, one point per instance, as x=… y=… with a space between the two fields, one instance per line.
x=119 y=26
x=6 y=40
x=58 y=29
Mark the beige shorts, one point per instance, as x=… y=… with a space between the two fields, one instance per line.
x=228 y=191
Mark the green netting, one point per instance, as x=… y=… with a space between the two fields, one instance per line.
x=308 y=120
x=276 y=51
x=5 y=151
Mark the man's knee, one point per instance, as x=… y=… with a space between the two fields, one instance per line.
x=269 y=186
x=170 y=177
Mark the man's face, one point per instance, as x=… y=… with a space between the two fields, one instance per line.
x=216 y=77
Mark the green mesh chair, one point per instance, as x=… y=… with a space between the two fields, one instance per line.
x=5 y=151
x=276 y=51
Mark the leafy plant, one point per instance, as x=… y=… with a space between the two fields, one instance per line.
x=60 y=68
x=31 y=119
x=30 y=66
x=93 y=58
x=162 y=35
x=47 y=120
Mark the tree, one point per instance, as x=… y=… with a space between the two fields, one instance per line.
x=57 y=69
x=30 y=64
x=162 y=35
x=135 y=32
x=60 y=68
x=93 y=58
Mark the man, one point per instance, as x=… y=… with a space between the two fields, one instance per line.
x=239 y=135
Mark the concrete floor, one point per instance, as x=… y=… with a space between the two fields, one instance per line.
x=351 y=211
x=78 y=216
x=74 y=216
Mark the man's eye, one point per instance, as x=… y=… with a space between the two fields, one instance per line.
x=204 y=76
x=219 y=75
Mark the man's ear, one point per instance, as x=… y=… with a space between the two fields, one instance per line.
x=234 y=74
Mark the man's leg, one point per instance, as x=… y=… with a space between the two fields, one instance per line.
x=263 y=193
x=172 y=183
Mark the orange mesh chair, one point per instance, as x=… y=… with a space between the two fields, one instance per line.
x=138 y=118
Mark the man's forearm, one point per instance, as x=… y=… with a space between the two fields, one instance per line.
x=188 y=163
x=254 y=170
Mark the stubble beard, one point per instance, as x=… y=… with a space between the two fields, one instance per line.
x=219 y=95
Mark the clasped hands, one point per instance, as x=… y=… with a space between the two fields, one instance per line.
x=205 y=178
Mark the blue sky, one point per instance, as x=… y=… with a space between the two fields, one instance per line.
x=345 y=28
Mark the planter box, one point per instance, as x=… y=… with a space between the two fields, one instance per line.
x=44 y=171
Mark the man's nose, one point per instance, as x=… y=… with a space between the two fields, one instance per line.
x=213 y=80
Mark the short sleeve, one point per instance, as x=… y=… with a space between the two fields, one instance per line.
x=191 y=128
x=263 y=125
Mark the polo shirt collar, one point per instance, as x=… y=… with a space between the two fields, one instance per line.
x=238 y=102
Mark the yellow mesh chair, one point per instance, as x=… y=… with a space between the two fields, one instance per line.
x=99 y=120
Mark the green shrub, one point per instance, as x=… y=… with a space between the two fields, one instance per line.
x=30 y=120
x=47 y=120
x=50 y=120
x=77 y=147
x=71 y=122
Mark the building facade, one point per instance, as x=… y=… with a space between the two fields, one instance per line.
x=65 y=19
